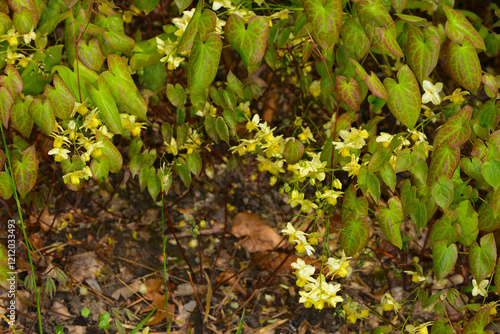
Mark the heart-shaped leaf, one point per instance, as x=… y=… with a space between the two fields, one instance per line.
x=325 y=17
x=25 y=171
x=43 y=115
x=467 y=218
x=456 y=131
x=418 y=214
x=194 y=162
x=444 y=258
x=250 y=42
x=355 y=234
x=482 y=258
x=119 y=41
x=405 y=160
x=445 y=160
x=404 y=98
x=110 y=152
x=103 y=99
x=5 y=188
x=390 y=220
x=20 y=117
x=490 y=85
x=479 y=321
x=176 y=95
x=154 y=184
x=487 y=221
x=349 y=93
x=201 y=24
x=100 y=169
x=359 y=44
x=6 y=102
x=490 y=173
x=464 y=65
x=61 y=97
x=12 y=80
x=422 y=53
x=442 y=192
x=121 y=84
x=445 y=229
x=91 y=54
x=375 y=86
x=458 y=28
x=293 y=152
x=204 y=62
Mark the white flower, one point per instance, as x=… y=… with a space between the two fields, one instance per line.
x=481 y=288
x=432 y=92
x=222 y=3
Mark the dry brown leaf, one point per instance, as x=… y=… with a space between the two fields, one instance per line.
x=260 y=236
x=159 y=303
x=83 y=266
x=154 y=285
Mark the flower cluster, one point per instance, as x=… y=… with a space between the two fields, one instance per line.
x=355 y=311
x=12 y=37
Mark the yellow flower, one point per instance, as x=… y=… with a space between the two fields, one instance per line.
x=389 y=304
x=60 y=154
x=457 y=97
x=353 y=167
x=338 y=266
x=420 y=329
x=217 y=4
x=306 y=135
x=10 y=37
x=31 y=36
x=415 y=276
x=315 y=88
x=354 y=311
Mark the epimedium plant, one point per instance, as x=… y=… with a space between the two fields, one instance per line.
x=357 y=68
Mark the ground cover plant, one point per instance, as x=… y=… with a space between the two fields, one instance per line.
x=250 y=166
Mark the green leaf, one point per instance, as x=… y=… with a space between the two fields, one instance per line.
x=293 y=151
x=12 y=80
x=235 y=84
x=5 y=189
x=375 y=86
x=204 y=62
x=222 y=129
x=147 y=5
x=121 y=84
x=464 y=65
x=445 y=229
x=108 y=110
x=182 y=169
x=359 y=44
x=456 y=131
x=201 y=24
x=176 y=95
x=229 y=98
x=119 y=41
x=444 y=258
x=100 y=169
x=182 y=4
x=445 y=160
x=25 y=171
x=490 y=85
x=468 y=220
x=408 y=194
x=422 y=53
x=487 y=221
x=155 y=76
x=61 y=97
x=497 y=275
x=490 y=173
x=111 y=152
x=442 y=191
x=194 y=162
x=355 y=234
x=43 y=115
x=405 y=160
x=144 y=177
x=248 y=39
x=154 y=184
x=379 y=159
x=404 y=98
x=210 y=127
x=326 y=19
x=6 y=102
x=478 y=322
x=441 y=326
x=373 y=185
x=389 y=176
x=473 y=168
x=418 y=214
x=390 y=220
x=482 y=258
x=230 y=118
x=20 y=118
x=90 y=54
x=458 y=29
x=489 y=114
x=349 y=93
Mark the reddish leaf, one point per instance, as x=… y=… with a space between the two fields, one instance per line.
x=25 y=171
x=349 y=93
